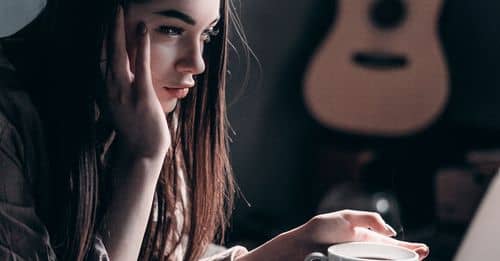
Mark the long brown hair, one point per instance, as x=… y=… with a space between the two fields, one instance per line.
x=60 y=61
x=199 y=149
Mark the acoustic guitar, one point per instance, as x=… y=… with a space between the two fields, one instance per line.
x=380 y=71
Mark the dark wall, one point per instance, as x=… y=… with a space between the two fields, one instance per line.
x=275 y=142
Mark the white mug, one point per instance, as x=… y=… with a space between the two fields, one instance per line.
x=364 y=251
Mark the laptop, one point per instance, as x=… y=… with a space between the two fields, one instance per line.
x=482 y=239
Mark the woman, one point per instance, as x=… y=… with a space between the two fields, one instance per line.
x=130 y=96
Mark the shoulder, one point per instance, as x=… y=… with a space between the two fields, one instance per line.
x=12 y=102
x=18 y=116
x=20 y=138
x=15 y=104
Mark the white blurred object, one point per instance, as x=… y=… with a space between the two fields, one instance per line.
x=481 y=239
x=382 y=205
x=16 y=14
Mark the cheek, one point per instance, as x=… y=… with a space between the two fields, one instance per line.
x=163 y=72
x=162 y=62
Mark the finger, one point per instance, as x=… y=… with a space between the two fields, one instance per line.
x=370 y=220
x=142 y=76
x=422 y=252
x=119 y=65
x=363 y=234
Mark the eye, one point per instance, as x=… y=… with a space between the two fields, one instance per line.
x=209 y=33
x=170 y=30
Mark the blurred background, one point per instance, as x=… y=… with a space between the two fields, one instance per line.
x=295 y=156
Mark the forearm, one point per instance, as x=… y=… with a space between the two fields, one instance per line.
x=285 y=246
x=128 y=213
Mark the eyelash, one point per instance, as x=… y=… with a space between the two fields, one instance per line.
x=173 y=31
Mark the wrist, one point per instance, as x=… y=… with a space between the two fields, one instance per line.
x=146 y=170
x=131 y=153
x=134 y=149
x=282 y=247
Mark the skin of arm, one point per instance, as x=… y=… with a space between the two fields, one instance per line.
x=128 y=213
x=277 y=248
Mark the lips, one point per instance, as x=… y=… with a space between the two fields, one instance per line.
x=178 y=93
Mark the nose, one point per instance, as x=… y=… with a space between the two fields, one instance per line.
x=191 y=61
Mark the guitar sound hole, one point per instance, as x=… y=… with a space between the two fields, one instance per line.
x=387 y=14
x=380 y=61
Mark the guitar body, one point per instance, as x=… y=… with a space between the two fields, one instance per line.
x=379 y=73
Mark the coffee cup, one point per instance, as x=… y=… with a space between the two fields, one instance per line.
x=364 y=251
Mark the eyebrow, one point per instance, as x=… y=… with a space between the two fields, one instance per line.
x=172 y=13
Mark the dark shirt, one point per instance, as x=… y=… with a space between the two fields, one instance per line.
x=23 y=236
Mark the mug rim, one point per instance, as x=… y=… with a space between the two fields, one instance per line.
x=413 y=253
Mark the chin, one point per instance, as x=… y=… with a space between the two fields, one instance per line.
x=169 y=106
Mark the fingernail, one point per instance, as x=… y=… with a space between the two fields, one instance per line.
x=390 y=229
x=141 y=28
x=422 y=251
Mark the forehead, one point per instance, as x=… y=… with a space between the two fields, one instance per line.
x=203 y=11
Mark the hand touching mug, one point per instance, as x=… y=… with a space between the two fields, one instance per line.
x=324 y=230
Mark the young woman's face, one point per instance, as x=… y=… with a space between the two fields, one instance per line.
x=178 y=31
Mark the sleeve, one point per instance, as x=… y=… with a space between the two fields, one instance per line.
x=22 y=234
x=218 y=253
